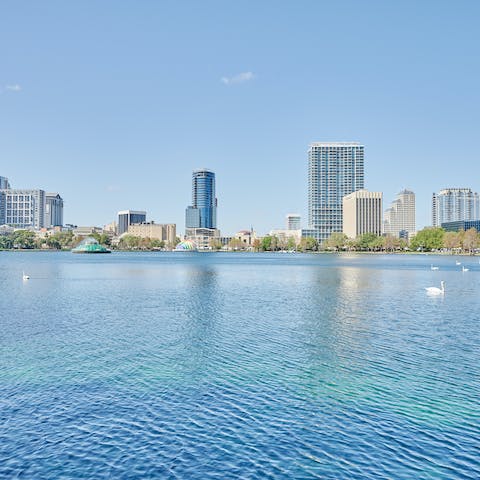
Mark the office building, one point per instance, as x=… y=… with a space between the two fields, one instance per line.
x=293 y=221
x=23 y=208
x=201 y=216
x=334 y=170
x=399 y=219
x=461 y=225
x=362 y=213
x=455 y=204
x=4 y=185
x=130 y=217
x=53 y=210
x=165 y=232
x=203 y=211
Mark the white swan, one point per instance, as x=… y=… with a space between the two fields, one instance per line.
x=464 y=269
x=433 y=268
x=25 y=277
x=436 y=290
x=458 y=263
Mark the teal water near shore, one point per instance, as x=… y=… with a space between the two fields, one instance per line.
x=205 y=365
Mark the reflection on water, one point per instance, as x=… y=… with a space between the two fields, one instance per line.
x=237 y=366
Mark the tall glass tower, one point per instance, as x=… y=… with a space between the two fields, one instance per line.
x=203 y=211
x=334 y=170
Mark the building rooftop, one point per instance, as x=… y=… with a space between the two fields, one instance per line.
x=336 y=144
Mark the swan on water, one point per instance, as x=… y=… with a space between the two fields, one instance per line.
x=25 y=277
x=464 y=269
x=433 y=268
x=458 y=263
x=436 y=290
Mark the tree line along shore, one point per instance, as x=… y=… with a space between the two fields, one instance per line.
x=429 y=239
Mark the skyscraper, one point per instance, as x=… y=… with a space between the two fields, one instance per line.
x=130 y=217
x=362 y=213
x=203 y=211
x=334 y=170
x=399 y=219
x=53 y=210
x=4 y=185
x=455 y=204
x=201 y=216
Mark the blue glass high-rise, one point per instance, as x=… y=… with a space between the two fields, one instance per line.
x=203 y=211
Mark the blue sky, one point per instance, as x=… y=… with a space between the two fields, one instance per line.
x=114 y=103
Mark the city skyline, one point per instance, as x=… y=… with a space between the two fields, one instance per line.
x=189 y=77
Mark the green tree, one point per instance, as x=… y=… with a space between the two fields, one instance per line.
x=102 y=238
x=266 y=244
x=430 y=238
x=129 y=242
x=24 y=239
x=308 y=244
x=366 y=241
x=291 y=244
x=336 y=241
x=6 y=242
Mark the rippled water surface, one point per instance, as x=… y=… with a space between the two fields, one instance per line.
x=198 y=366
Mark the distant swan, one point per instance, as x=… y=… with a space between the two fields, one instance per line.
x=25 y=277
x=464 y=269
x=433 y=268
x=436 y=290
x=458 y=263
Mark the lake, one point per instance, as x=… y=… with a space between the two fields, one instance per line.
x=237 y=365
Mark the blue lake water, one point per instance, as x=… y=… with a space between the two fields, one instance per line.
x=217 y=365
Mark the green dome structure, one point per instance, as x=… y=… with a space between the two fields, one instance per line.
x=90 y=245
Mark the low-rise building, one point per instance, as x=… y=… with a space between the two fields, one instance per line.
x=165 y=232
x=461 y=225
x=202 y=237
x=85 y=231
x=284 y=235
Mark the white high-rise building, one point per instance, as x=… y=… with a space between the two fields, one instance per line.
x=362 y=213
x=455 y=204
x=399 y=219
x=24 y=208
x=335 y=169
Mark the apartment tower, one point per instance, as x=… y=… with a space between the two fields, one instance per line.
x=334 y=170
x=455 y=204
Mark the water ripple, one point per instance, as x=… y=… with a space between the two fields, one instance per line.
x=237 y=366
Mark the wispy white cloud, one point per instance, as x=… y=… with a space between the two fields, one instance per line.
x=238 y=78
x=13 y=88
